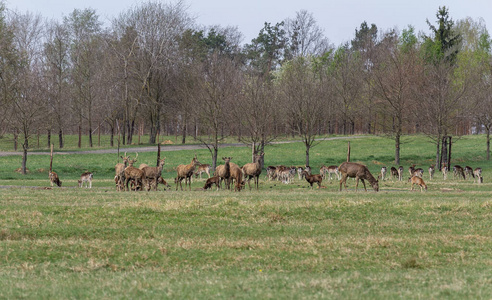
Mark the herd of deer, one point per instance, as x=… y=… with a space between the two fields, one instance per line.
x=128 y=177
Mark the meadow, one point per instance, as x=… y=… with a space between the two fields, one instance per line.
x=283 y=241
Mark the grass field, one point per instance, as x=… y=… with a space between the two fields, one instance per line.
x=284 y=241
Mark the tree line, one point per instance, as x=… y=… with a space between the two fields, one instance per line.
x=154 y=69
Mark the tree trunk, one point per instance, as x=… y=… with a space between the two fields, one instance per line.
x=397 y=149
x=49 y=137
x=183 y=140
x=80 y=137
x=90 y=136
x=488 y=143
x=25 y=146
x=111 y=137
x=60 y=138
x=16 y=141
x=307 y=155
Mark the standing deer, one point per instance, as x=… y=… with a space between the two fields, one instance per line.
x=384 y=170
x=432 y=169
x=444 y=170
x=357 y=171
x=331 y=170
x=205 y=168
x=458 y=172
x=133 y=174
x=418 y=181
x=313 y=178
x=478 y=175
x=185 y=172
x=394 y=172
x=87 y=178
x=119 y=169
x=400 y=173
x=224 y=171
x=253 y=170
x=153 y=174
x=469 y=172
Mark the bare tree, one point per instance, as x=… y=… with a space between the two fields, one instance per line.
x=302 y=99
x=28 y=105
x=393 y=75
x=305 y=36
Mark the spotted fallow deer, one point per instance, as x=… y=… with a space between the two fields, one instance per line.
x=86 y=178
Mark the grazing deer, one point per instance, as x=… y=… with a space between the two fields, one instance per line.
x=400 y=173
x=478 y=175
x=394 y=172
x=458 y=172
x=384 y=170
x=186 y=172
x=357 y=171
x=211 y=181
x=87 y=178
x=469 y=172
x=205 y=168
x=418 y=181
x=418 y=172
x=163 y=182
x=432 y=169
x=152 y=174
x=271 y=173
x=253 y=170
x=133 y=174
x=119 y=169
x=237 y=176
x=313 y=178
x=54 y=179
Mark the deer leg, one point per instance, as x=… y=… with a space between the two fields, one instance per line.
x=343 y=181
x=364 y=183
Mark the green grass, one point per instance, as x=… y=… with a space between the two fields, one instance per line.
x=285 y=241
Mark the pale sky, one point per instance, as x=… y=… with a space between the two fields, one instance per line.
x=338 y=19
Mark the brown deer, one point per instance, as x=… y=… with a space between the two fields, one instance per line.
x=253 y=170
x=224 y=171
x=411 y=169
x=205 y=168
x=152 y=174
x=237 y=176
x=163 y=182
x=119 y=169
x=418 y=181
x=394 y=172
x=211 y=181
x=458 y=172
x=357 y=171
x=54 y=179
x=313 y=178
x=272 y=174
x=469 y=172
x=185 y=172
x=86 y=178
x=133 y=174
x=432 y=170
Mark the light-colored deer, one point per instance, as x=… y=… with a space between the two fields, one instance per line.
x=444 y=170
x=86 y=178
x=186 y=172
x=253 y=170
x=432 y=170
x=478 y=175
x=469 y=172
x=384 y=170
x=205 y=168
x=400 y=173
